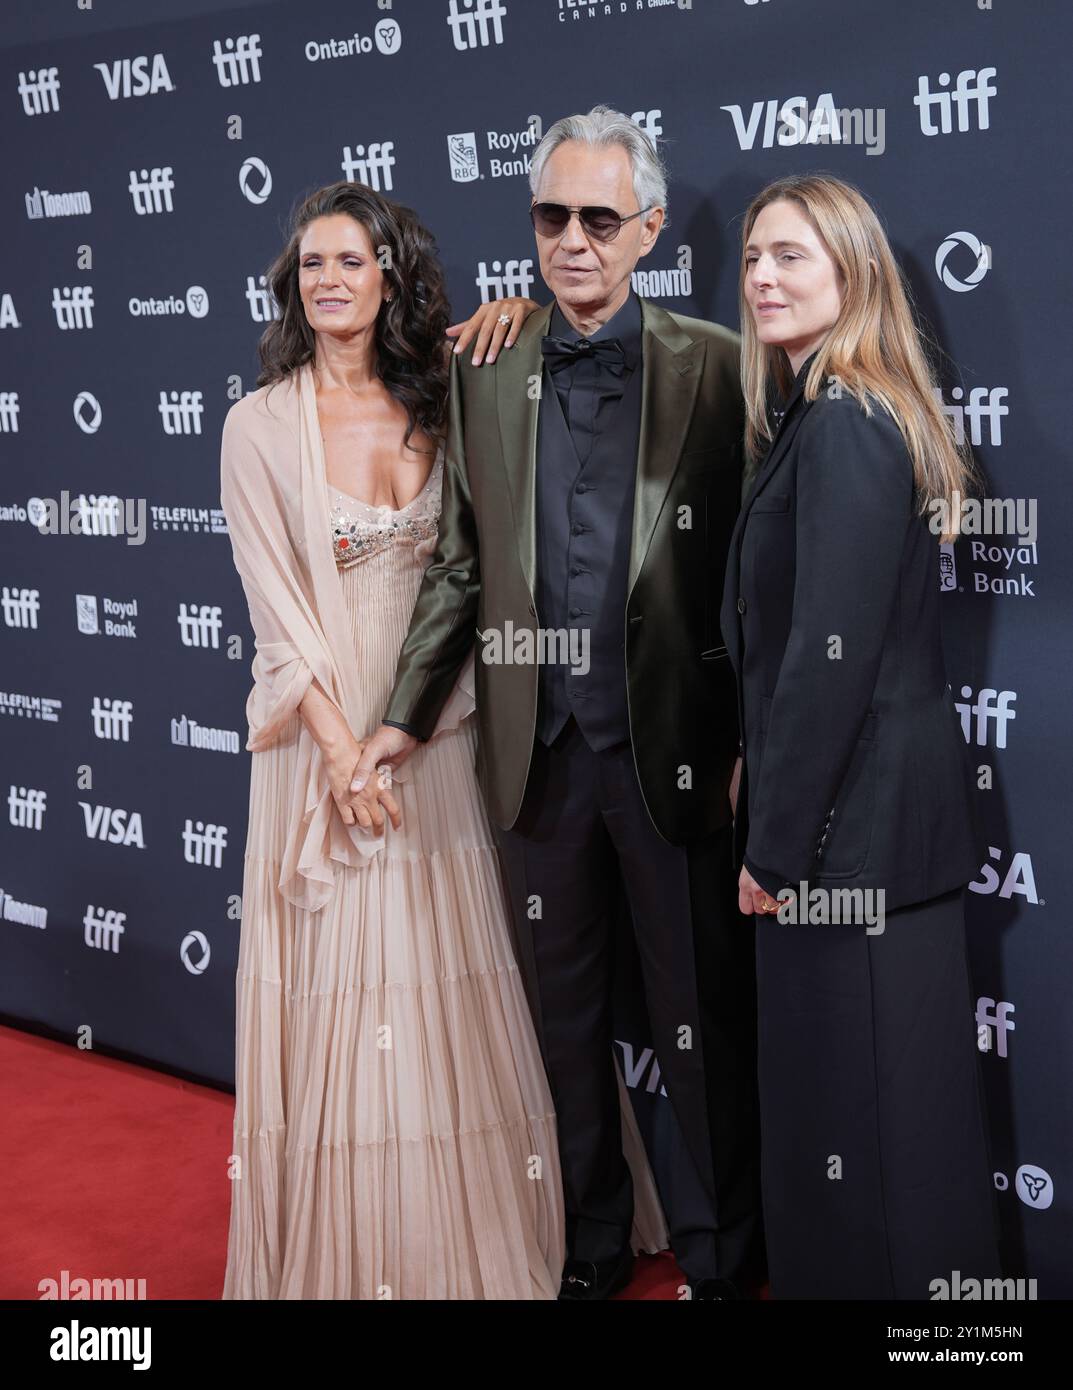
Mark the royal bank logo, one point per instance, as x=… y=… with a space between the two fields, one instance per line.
x=39 y=89
x=135 y=77
x=371 y=165
x=475 y=23
x=86 y=614
x=462 y=150
x=237 y=60
x=1006 y=584
x=948 y=571
x=151 y=190
x=255 y=180
x=120 y=616
x=956 y=244
x=73 y=306
x=973 y=88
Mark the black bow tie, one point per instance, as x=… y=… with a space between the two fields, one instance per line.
x=562 y=352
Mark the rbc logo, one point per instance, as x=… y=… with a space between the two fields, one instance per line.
x=463 y=152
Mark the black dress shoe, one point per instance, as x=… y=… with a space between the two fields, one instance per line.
x=588 y=1279
x=720 y=1289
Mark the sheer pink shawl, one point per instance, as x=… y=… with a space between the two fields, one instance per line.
x=274 y=493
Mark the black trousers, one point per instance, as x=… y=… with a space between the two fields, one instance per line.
x=583 y=835
x=876 y=1163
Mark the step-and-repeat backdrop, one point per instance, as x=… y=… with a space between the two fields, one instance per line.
x=146 y=182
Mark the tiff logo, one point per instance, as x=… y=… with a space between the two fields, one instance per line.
x=204 y=844
x=151 y=190
x=367 y=167
x=262 y=302
x=992 y=706
x=103 y=928
x=993 y=1017
x=649 y=122
x=20 y=607
x=26 y=807
x=476 y=23
x=40 y=91
x=236 y=61
x=984 y=403
x=971 y=86
x=199 y=624
x=73 y=306
x=181 y=411
x=9 y=412
x=112 y=718
x=504 y=282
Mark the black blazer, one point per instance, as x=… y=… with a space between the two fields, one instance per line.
x=855 y=772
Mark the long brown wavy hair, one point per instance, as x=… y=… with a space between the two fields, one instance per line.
x=877 y=349
x=411 y=349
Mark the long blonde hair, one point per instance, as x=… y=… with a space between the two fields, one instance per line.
x=875 y=350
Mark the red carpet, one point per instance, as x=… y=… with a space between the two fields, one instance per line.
x=114 y=1171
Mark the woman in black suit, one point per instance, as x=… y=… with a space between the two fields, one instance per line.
x=876 y=1172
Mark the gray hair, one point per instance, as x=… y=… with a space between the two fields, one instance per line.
x=600 y=127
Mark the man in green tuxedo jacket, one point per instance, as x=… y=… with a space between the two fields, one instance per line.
x=591 y=483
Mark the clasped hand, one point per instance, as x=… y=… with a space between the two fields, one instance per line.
x=360 y=777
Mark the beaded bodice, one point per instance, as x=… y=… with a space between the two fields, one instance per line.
x=360 y=530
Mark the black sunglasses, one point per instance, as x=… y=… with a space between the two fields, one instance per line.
x=604 y=224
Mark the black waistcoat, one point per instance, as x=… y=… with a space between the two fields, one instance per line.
x=584 y=517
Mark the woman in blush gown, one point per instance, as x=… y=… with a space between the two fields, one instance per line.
x=394 y=1134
